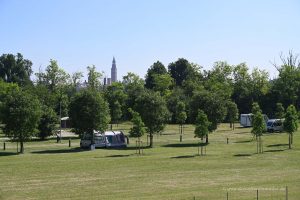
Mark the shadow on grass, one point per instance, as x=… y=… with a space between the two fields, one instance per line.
x=185 y=145
x=277 y=145
x=126 y=148
x=274 y=150
x=183 y=157
x=117 y=156
x=243 y=141
x=242 y=154
x=8 y=154
x=57 y=151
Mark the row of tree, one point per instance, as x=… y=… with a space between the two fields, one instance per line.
x=171 y=94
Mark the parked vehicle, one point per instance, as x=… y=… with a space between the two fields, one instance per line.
x=275 y=125
x=113 y=139
x=246 y=119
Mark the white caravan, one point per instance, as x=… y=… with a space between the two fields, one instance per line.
x=275 y=125
x=107 y=139
x=246 y=119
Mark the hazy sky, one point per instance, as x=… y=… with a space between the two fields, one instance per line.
x=140 y=32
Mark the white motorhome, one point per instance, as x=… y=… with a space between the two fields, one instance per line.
x=275 y=125
x=246 y=119
x=107 y=139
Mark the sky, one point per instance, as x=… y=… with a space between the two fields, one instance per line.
x=138 y=33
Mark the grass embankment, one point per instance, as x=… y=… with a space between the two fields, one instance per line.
x=171 y=170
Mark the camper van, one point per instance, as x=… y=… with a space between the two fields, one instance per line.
x=275 y=125
x=246 y=119
x=113 y=139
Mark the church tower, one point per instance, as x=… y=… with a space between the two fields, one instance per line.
x=114 y=71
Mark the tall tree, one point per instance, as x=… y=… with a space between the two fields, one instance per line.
x=22 y=113
x=94 y=78
x=47 y=122
x=290 y=123
x=232 y=113
x=279 y=111
x=138 y=129
x=15 y=69
x=89 y=112
x=5 y=90
x=154 y=112
x=259 y=126
x=212 y=104
x=180 y=71
x=181 y=117
x=156 y=69
x=202 y=125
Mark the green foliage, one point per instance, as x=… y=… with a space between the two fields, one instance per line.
x=279 y=111
x=15 y=69
x=258 y=122
x=153 y=110
x=291 y=120
x=180 y=71
x=47 y=123
x=138 y=129
x=156 y=69
x=94 y=78
x=116 y=97
x=232 y=112
x=212 y=104
x=89 y=112
x=201 y=124
x=22 y=113
x=180 y=113
x=162 y=83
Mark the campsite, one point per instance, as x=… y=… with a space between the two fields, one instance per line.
x=170 y=170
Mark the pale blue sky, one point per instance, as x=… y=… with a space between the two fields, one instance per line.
x=140 y=32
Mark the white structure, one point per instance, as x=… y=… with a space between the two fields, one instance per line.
x=108 y=139
x=246 y=119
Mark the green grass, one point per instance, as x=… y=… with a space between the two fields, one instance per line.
x=171 y=170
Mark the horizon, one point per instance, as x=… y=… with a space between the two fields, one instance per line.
x=138 y=34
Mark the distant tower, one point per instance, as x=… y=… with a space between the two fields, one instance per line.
x=114 y=71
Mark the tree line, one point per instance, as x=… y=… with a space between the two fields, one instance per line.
x=168 y=94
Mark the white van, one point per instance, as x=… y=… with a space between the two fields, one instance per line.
x=275 y=125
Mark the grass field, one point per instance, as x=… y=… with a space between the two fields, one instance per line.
x=171 y=170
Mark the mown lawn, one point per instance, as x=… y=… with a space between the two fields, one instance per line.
x=171 y=170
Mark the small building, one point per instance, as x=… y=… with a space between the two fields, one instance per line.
x=65 y=122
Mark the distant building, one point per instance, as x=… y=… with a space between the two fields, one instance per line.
x=113 y=73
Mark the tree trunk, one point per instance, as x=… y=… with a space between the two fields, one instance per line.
x=290 y=146
x=206 y=139
x=21 y=146
x=139 y=139
x=292 y=137
x=231 y=125
x=151 y=140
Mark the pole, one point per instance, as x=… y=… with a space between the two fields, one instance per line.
x=69 y=142
x=286 y=193
x=256 y=194
x=227 y=196
x=227 y=140
x=60 y=121
x=4 y=147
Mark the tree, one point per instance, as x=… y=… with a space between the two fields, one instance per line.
x=138 y=128
x=93 y=78
x=180 y=71
x=162 y=83
x=232 y=113
x=180 y=117
x=259 y=126
x=116 y=98
x=212 y=104
x=22 y=113
x=5 y=90
x=89 y=112
x=154 y=112
x=47 y=123
x=279 y=111
x=201 y=129
x=290 y=123
x=156 y=69
x=15 y=69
